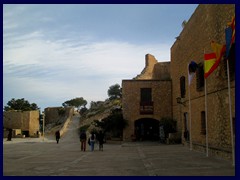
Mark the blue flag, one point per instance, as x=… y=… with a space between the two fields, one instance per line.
x=228 y=36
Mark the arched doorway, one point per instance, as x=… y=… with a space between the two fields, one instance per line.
x=146 y=129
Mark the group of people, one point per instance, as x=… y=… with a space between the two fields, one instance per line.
x=91 y=140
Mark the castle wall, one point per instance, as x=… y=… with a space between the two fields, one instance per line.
x=207 y=23
x=24 y=120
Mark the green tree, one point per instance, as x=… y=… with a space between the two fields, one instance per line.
x=114 y=92
x=114 y=124
x=20 y=105
x=76 y=102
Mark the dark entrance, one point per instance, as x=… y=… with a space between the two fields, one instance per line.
x=147 y=129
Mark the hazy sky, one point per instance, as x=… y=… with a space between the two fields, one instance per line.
x=54 y=53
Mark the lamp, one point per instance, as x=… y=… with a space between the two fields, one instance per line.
x=180 y=101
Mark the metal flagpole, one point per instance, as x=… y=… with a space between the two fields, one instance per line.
x=230 y=111
x=190 y=118
x=206 y=112
x=206 y=116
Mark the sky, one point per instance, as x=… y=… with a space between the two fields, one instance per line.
x=53 y=53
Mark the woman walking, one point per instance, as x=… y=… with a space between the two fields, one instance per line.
x=92 y=141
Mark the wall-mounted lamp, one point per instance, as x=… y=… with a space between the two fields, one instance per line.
x=180 y=101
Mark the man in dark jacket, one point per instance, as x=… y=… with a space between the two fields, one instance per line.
x=57 y=134
x=83 y=139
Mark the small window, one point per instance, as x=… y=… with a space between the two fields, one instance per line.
x=203 y=123
x=200 y=77
x=182 y=87
x=146 y=95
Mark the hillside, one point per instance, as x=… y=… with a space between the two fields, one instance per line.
x=98 y=111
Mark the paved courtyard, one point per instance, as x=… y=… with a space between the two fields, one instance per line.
x=35 y=157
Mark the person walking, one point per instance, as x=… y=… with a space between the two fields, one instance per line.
x=92 y=141
x=57 y=134
x=100 y=140
x=83 y=139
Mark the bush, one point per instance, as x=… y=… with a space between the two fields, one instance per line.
x=169 y=125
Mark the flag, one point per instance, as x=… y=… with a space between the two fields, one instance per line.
x=209 y=64
x=212 y=60
x=218 y=49
x=192 y=68
x=228 y=37
x=232 y=25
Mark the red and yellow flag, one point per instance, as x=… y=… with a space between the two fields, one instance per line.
x=209 y=64
x=212 y=60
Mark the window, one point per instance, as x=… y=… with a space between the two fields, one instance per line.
x=182 y=87
x=146 y=94
x=146 y=103
x=203 y=123
x=200 y=77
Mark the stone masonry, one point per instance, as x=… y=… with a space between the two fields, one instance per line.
x=207 y=23
x=24 y=120
x=161 y=94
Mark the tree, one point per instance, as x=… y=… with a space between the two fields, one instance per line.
x=77 y=102
x=21 y=105
x=114 y=92
x=113 y=124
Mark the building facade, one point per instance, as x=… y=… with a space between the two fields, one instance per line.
x=146 y=99
x=171 y=95
x=22 y=122
x=206 y=24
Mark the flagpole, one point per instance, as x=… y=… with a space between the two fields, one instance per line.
x=206 y=116
x=206 y=113
x=230 y=111
x=190 y=118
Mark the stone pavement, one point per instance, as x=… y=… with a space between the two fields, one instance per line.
x=25 y=157
x=35 y=157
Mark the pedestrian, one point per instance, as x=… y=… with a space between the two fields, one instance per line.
x=100 y=140
x=57 y=134
x=9 y=138
x=83 y=139
x=92 y=140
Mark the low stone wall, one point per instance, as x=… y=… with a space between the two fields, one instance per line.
x=68 y=120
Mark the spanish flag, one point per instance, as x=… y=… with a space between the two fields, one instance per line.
x=212 y=60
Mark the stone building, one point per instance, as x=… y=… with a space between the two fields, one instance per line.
x=169 y=91
x=146 y=99
x=206 y=24
x=22 y=122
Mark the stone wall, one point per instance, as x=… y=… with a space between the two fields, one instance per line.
x=161 y=71
x=207 y=23
x=147 y=72
x=161 y=95
x=24 y=120
x=53 y=118
x=52 y=114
